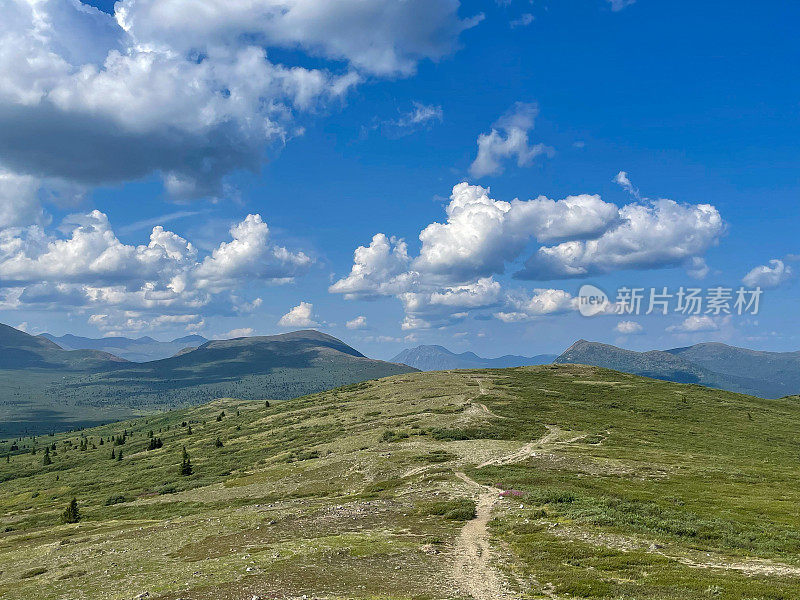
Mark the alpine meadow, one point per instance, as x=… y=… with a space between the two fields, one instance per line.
x=399 y=300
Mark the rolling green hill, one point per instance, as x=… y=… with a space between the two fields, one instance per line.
x=766 y=374
x=44 y=388
x=559 y=481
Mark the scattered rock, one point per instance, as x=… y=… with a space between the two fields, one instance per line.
x=429 y=549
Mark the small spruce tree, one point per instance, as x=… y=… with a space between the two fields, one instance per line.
x=71 y=514
x=186 y=464
x=46 y=460
x=113 y=454
x=218 y=443
x=119 y=456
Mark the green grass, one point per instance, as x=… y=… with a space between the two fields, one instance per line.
x=673 y=492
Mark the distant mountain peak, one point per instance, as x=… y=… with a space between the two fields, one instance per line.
x=713 y=364
x=433 y=357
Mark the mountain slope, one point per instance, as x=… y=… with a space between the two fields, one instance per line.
x=674 y=365
x=55 y=396
x=586 y=483
x=18 y=350
x=439 y=358
x=781 y=368
x=141 y=349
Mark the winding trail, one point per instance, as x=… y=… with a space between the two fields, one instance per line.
x=555 y=436
x=473 y=572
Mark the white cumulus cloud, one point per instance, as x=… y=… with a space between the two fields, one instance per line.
x=482 y=234
x=190 y=90
x=454 y=272
x=299 y=316
x=768 y=276
x=360 y=322
x=523 y=307
x=236 y=333
x=88 y=268
x=695 y=324
x=19 y=201
x=628 y=328
x=661 y=233
x=508 y=139
x=378 y=269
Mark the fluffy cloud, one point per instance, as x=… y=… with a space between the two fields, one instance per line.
x=542 y=302
x=185 y=91
x=429 y=304
x=697 y=268
x=380 y=269
x=768 y=276
x=628 y=328
x=695 y=324
x=129 y=321
x=622 y=180
x=249 y=256
x=661 y=233
x=236 y=333
x=382 y=37
x=482 y=234
x=360 y=322
x=299 y=316
x=458 y=259
x=19 y=201
x=453 y=272
x=508 y=139
x=90 y=267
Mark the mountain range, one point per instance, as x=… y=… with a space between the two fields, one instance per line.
x=141 y=349
x=44 y=387
x=716 y=365
x=439 y=358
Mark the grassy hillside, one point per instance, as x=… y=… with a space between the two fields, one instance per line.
x=560 y=481
x=41 y=399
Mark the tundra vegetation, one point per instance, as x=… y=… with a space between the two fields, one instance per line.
x=557 y=481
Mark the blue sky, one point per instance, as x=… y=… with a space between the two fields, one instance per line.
x=337 y=123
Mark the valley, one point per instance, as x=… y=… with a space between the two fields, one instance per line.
x=44 y=388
